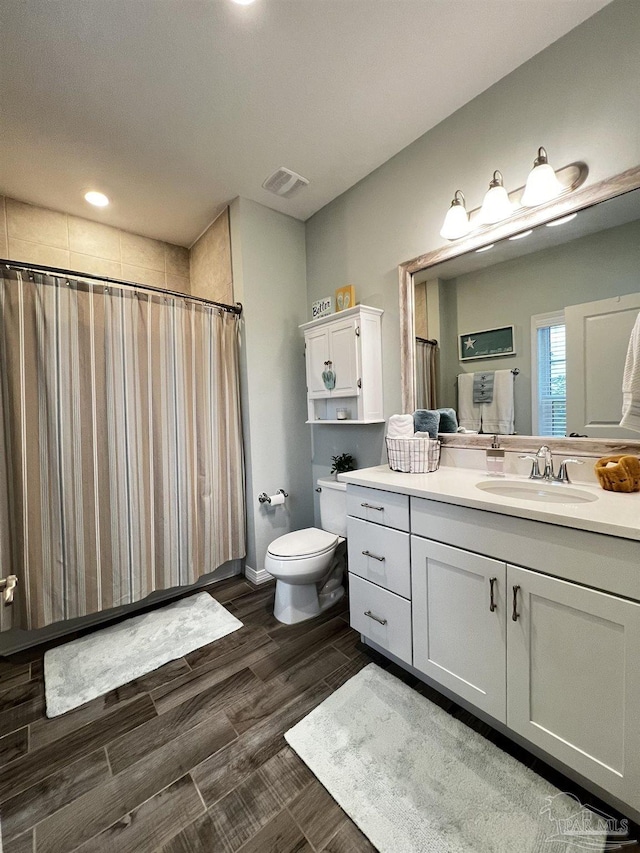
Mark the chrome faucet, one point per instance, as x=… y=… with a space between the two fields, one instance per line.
x=548 y=474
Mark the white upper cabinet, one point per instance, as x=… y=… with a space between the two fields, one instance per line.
x=344 y=366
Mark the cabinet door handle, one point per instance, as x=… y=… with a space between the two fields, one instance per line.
x=515 y=613
x=371 y=506
x=373 y=556
x=376 y=618
x=492 y=604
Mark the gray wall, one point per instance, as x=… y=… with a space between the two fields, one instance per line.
x=580 y=98
x=268 y=251
x=509 y=293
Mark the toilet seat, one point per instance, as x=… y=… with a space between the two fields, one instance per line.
x=310 y=542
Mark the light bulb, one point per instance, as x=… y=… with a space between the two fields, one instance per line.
x=485 y=248
x=96 y=198
x=561 y=221
x=456 y=222
x=496 y=205
x=542 y=183
x=523 y=234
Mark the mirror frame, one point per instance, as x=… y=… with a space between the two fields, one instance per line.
x=527 y=218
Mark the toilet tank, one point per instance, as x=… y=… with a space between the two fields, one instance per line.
x=333 y=506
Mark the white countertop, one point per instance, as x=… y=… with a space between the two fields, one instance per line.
x=614 y=513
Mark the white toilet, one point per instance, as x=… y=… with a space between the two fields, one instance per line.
x=308 y=564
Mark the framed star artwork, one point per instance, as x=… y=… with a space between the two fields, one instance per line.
x=488 y=343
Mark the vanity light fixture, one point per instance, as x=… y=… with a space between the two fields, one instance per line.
x=523 y=234
x=456 y=222
x=96 y=198
x=561 y=221
x=496 y=205
x=485 y=248
x=542 y=183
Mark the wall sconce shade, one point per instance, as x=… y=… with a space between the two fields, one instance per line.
x=456 y=222
x=496 y=205
x=542 y=183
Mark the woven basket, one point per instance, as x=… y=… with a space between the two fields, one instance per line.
x=413 y=455
x=624 y=476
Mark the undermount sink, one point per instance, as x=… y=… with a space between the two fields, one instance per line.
x=556 y=493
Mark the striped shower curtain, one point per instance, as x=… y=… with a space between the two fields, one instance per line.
x=426 y=390
x=121 y=466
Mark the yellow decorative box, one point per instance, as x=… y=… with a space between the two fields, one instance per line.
x=345 y=297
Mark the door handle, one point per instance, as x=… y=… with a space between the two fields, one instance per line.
x=371 y=506
x=492 y=604
x=376 y=618
x=373 y=556
x=515 y=613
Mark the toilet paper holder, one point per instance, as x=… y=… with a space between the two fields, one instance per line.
x=264 y=498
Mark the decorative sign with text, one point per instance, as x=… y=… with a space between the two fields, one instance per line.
x=490 y=343
x=322 y=307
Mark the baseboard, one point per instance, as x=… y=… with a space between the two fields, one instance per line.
x=257 y=576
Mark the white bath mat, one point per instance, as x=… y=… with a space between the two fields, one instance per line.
x=416 y=780
x=93 y=665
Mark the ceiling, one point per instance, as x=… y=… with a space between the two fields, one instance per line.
x=175 y=107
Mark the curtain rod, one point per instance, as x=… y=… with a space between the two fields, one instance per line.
x=22 y=265
x=427 y=340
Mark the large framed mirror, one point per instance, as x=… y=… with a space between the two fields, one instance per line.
x=566 y=278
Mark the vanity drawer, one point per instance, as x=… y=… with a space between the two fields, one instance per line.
x=380 y=507
x=380 y=555
x=391 y=627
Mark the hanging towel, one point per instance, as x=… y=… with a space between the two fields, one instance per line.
x=400 y=426
x=499 y=415
x=469 y=413
x=631 y=382
x=448 y=420
x=483 y=387
x=427 y=420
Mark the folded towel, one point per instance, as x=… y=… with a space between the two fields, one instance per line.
x=400 y=426
x=427 y=420
x=499 y=415
x=448 y=420
x=469 y=413
x=483 y=387
x=631 y=382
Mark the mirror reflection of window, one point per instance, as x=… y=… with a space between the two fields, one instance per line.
x=549 y=359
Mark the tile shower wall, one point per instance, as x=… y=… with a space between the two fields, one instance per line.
x=42 y=236
x=211 y=273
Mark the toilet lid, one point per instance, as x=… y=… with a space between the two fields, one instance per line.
x=303 y=543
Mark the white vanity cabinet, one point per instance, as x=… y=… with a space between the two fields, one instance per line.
x=541 y=650
x=379 y=568
x=573 y=676
x=349 y=344
x=459 y=626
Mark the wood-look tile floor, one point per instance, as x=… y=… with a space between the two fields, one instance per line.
x=192 y=757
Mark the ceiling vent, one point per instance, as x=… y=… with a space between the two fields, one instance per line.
x=284 y=182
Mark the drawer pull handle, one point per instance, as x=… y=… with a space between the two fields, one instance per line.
x=370 y=506
x=515 y=613
x=492 y=582
x=373 y=556
x=376 y=618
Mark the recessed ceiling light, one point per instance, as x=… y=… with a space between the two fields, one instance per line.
x=561 y=221
x=520 y=236
x=96 y=198
x=485 y=248
x=244 y=2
